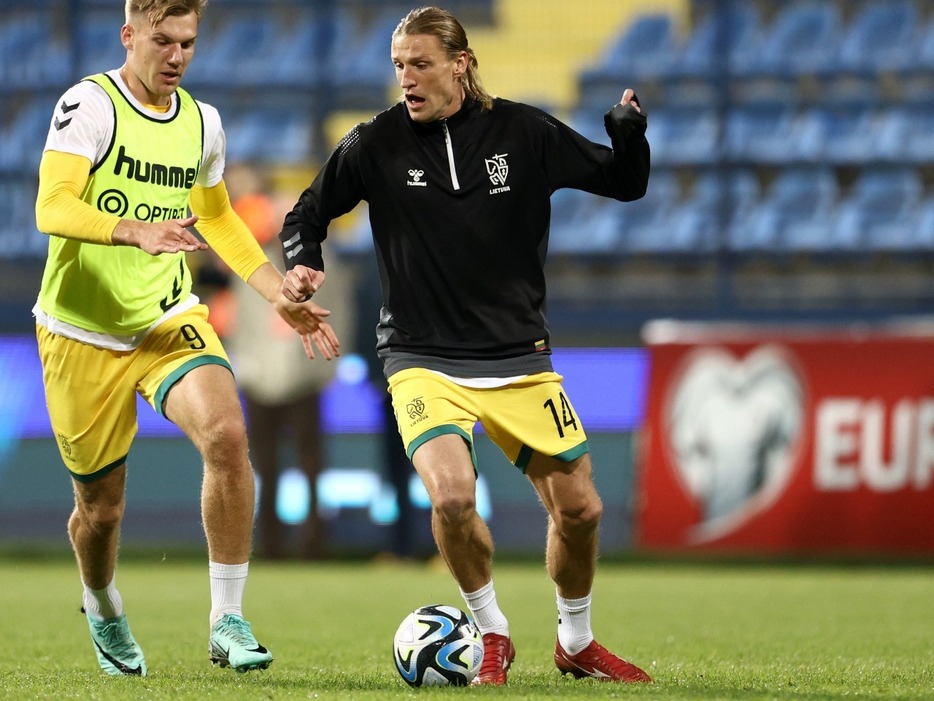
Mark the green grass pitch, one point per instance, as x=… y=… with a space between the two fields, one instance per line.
x=704 y=631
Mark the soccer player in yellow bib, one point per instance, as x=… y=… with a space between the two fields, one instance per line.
x=128 y=154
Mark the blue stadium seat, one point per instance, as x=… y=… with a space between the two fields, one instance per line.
x=645 y=226
x=802 y=39
x=702 y=222
x=297 y=54
x=719 y=40
x=761 y=132
x=684 y=136
x=818 y=229
x=725 y=199
x=238 y=52
x=921 y=232
x=597 y=225
x=892 y=133
x=924 y=56
x=19 y=237
x=366 y=64
x=643 y=50
x=99 y=47
x=587 y=224
x=810 y=129
x=816 y=233
x=746 y=45
x=23 y=136
x=915 y=122
x=881 y=209
x=270 y=135
x=692 y=225
x=307 y=55
x=30 y=54
x=849 y=134
x=882 y=37
x=793 y=214
x=575 y=223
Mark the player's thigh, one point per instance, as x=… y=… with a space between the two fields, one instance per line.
x=447 y=469
x=565 y=487
x=532 y=417
x=91 y=399
x=101 y=500
x=427 y=405
x=188 y=378
x=205 y=405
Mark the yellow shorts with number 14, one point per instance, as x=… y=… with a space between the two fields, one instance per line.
x=532 y=415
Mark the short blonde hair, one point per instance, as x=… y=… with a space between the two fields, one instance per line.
x=157 y=10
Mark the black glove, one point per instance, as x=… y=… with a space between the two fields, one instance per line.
x=625 y=121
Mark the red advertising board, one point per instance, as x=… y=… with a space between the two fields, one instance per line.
x=777 y=440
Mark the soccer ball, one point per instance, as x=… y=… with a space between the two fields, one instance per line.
x=437 y=645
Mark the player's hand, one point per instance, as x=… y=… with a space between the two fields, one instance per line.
x=629 y=98
x=627 y=119
x=154 y=238
x=326 y=341
x=308 y=319
x=301 y=282
x=303 y=315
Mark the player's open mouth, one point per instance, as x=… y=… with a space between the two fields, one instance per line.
x=415 y=100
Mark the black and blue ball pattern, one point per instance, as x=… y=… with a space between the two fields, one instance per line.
x=437 y=645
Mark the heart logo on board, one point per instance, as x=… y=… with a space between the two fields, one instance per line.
x=733 y=427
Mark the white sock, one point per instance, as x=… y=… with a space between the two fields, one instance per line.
x=103 y=603
x=227 y=585
x=574 y=632
x=485 y=610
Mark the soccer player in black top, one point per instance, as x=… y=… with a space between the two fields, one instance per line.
x=458 y=185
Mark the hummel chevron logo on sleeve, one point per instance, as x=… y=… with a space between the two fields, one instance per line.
x=66 y=108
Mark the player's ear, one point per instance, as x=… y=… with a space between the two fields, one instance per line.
x=126 y=36
x=460 y=65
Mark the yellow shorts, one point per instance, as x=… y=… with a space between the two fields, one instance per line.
x=91 y=392
x=530 y=416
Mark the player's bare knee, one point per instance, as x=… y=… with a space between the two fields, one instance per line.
x=223 y=441
x=455 y=507
x=580 y=520
x=101 y=517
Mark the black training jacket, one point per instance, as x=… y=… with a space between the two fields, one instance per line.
x=459 y=209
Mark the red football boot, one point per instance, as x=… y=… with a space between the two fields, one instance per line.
x=598 y=662
x=498 y=654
